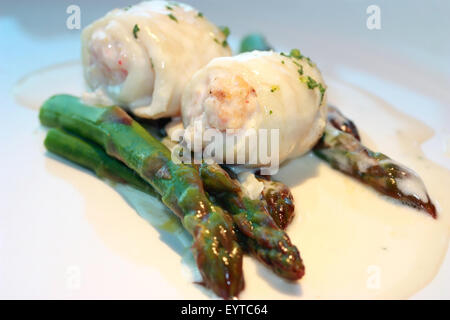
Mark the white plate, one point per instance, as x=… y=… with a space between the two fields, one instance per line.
x=66 y=234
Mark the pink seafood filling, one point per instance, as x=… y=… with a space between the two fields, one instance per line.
x=229 y=103
x=108 y=63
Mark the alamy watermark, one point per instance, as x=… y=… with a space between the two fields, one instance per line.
x=73 y=278
x=258 y=148
x=73 y=21
x=373 y=281
x=373 y=21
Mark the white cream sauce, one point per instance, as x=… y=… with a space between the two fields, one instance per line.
x=354 y=242
x=251 y=186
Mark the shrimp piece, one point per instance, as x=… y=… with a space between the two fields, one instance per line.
x=230 y=103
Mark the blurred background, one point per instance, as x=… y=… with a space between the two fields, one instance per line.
x=35 y=33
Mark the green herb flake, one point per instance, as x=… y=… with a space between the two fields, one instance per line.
x=282 y=61
x=309 y=61
x=171 y=16
x=127 y=7
x=274 y=88
x=322 y=90
x=312 y=84
x=169 y=8
x=300 y=67
x=226 y=31
x=200 y=15
x=270 y=112
x=135 y=31
x=295 y=53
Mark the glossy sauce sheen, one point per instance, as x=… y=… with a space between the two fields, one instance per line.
x=354 y=243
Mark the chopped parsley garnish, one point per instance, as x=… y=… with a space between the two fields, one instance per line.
x=270 y=112
x=169 y=8
x=224 y=43
x=282 y=61
x=300 y=67
x=200 y=15
x=312 y=84
x=171 y=16
x=309 y=61
x=135 y=31
x=226 y=31
x=322 y=90
x=295 y=53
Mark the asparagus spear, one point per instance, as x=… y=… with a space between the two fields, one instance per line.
x=277 y=198
x=345 y=153
x=216 y=251
x=279 y=201
x=340 y=122
x=265 y=240
x=254 y=41
x=92 y=157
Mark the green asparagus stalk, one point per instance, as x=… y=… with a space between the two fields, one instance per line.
x=92 y=157
x=345 y=153
x=216 y=251
x=254 y=41
x=277 y=198
x=264 y=239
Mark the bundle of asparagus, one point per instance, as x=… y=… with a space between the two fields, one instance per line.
x=264 y=239
x=217 y=255
x=92 y=157
x=216 y=251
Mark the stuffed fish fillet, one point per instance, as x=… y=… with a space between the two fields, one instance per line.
x=141 y=57
x=259 y=90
